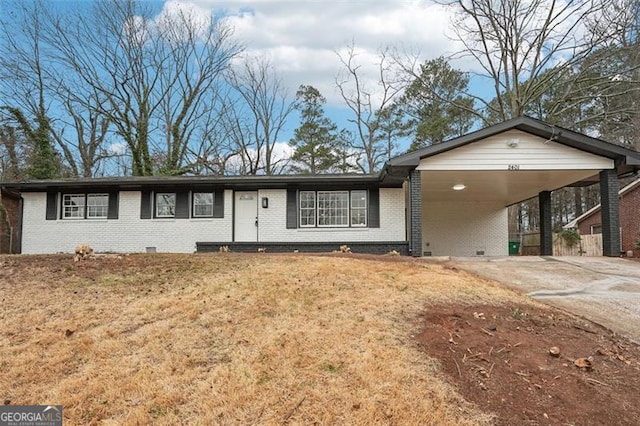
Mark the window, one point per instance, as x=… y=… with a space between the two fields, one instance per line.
x=203 y=204
x=333 y=208
x=85 y=206
x=307 y=208
x=596 y=229
x=73 y=206
x=165 y=205
x=358 y=208
x=97 y=206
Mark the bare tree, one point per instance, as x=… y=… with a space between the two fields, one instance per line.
x=256 y=115
x=24 y=88
x=367 y=104
x=156 y=75
x=33 y=85
x=523 y=47
x=199 y=53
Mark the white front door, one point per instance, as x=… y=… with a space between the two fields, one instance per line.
x=246 y=216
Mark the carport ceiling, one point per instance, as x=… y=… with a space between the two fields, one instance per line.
x=508 y=187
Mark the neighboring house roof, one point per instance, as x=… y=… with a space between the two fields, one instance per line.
x=623 y=156
x=596 y=209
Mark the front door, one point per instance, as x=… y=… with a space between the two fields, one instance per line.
x=246 y=216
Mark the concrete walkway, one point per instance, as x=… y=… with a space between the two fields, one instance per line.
x=604 y=290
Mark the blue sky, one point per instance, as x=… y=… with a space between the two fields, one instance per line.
x=301 y=37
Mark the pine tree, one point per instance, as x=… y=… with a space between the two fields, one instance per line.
x=316 y=139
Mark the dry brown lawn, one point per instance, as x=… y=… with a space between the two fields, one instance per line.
x=230 y=338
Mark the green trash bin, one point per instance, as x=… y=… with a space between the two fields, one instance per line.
x=514 y=248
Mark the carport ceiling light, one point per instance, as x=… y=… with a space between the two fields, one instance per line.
x=459 y=187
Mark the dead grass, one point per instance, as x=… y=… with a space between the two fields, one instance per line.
x=230 y=339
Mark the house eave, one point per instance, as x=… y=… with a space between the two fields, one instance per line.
x=224 y=182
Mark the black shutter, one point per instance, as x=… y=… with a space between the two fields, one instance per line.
x=145 y=205
x=182 y=204
x=374 y=208
x=218 y=203
x=112 y=212
x=52 y=205
x=292 y=209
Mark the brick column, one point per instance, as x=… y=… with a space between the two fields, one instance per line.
x=609 y=187
x=546 y=231
x=415 y=201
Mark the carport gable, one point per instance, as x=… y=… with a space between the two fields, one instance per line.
x=508 y=167
x=515 y=150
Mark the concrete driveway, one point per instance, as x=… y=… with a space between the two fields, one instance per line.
x=604 y=290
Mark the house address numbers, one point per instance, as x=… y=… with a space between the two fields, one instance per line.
x=513 y=167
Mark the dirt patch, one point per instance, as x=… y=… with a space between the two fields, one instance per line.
x=499 y=358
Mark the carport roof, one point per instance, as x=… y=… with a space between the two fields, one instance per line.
x=625 y=159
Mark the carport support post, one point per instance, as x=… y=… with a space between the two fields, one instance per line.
x=546 y=232
x=415 y=199
x=609 y=187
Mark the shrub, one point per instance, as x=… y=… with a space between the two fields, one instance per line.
x=571 y=237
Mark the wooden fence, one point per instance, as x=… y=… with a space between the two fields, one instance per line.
x=589 y=245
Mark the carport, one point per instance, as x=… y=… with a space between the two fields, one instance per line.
x=459 y=191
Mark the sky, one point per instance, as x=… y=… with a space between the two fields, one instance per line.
x=303 y=37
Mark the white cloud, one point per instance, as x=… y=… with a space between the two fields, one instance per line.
x=117 y=148
x=301 y=36
x=281 y=154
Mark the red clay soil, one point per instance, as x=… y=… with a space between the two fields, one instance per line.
x=499 y=358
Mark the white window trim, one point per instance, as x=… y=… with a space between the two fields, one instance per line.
x=193 y=205
x=165 y=216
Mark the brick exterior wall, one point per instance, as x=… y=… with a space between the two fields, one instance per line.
x=465 y=228
x=546 y=233
x=129 y=233
x=272 y=221
x=371 y=247
x=9 y=223
x=629 y=221
x=415 y=213
x=609 y=209
x=584 y=226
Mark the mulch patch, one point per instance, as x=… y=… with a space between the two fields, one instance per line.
x=499 y=358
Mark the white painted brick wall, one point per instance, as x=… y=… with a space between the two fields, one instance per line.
x=461 y=228
x=272 y=225
x=128 y=233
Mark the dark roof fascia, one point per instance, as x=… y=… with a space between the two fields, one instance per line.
x=529 y=125
x=225 y=182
